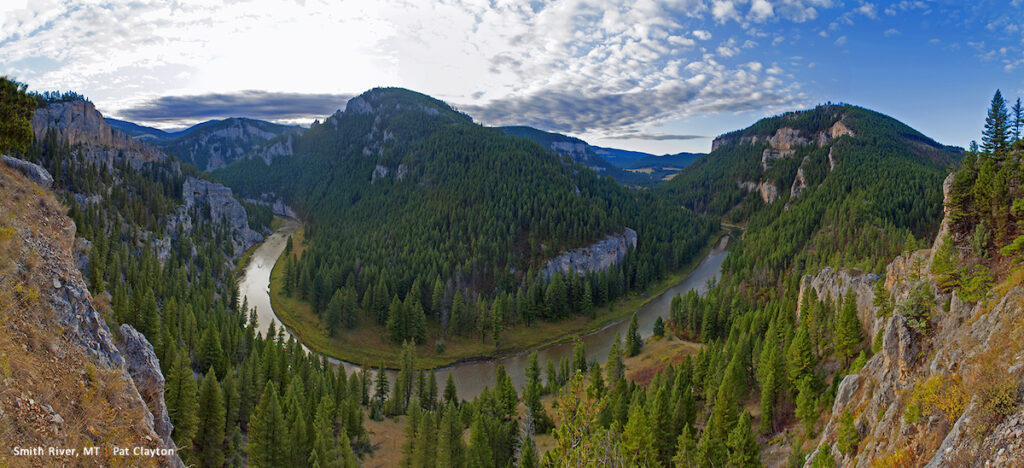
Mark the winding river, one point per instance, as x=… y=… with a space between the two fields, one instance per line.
x=471 y=377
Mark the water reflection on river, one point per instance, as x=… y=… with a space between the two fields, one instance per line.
x=472 y=377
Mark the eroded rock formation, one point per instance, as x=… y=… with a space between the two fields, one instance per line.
x=595 y=257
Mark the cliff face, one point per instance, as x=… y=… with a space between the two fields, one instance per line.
x=947 y=394
x=595 y=257
x=79 y=123
x=65 y=382
x=216 y=144
x=223 y=206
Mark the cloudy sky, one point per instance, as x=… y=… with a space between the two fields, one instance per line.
x=657 y=76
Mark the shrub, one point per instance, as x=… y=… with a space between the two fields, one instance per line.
x=938 y=394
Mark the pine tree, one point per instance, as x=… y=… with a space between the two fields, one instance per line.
x=848 y=437
x=268 y=436
x=451 y=396
x=450 y=447
x=801 y=359
x=424 y=451
x=614 y=367
x=528 y=454
x=686 y=449
x=324 y=446
x=659 y=327
x=587 y=303
x=995 y=140
x=182 y=401
x=848 y=329
x=437 y=299
x=638 y=439
x=743 y=449
x=882 y=301
x=661 y=424
x=209 y=439
x=335 y=310
x=807 y=404
x=1018 y=120
x=633 y=341
x=396 y=323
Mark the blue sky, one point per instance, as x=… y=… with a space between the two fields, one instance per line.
x=650 y=75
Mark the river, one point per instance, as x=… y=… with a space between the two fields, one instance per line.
x=471 y=377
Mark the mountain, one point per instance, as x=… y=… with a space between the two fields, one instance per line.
x=143 y=133
x=579 y=151
x=619 y=157
x=677 y=161
x=405 y=194
x=214 y=144
x=627 y=167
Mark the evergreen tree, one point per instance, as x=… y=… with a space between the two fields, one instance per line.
x=335 y=311
x=661 y=423
x=450 y=393
x=659 y=327
x=182 y=402
x=268 y=435
x=633 y=341
x=209 y=440
x=995 y=140
x=325 y=448
x=1018 y=120
x=801 y=359
x=743 y=449
x=848 y=329
x=614 y=367
x=882 y=301
x=638 y=439
x=848 y=437
x=528 y=454
x=807 y=404
x=686 y=449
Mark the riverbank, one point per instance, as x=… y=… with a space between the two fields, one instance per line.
x=367 y=343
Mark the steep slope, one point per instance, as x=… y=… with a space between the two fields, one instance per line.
x=835 y=185
x=404 y=193
x=66 y=381
x=215 y=144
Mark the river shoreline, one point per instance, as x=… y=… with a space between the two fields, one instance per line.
x=473 y=373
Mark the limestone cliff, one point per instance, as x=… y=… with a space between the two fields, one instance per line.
x=223 y=206
x=595 y=257
x=80 y=124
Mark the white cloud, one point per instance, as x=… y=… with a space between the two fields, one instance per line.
x=724 y=10
x=841 y=41
x=702 y=34
x=761 y=10
x=891 y=32
x=867 y=9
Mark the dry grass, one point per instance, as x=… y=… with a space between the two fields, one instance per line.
x=657 y=355
x=43 y=372
x=387 y=438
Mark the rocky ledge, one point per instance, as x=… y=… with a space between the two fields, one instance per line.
x=223 y=206
x=595 y=257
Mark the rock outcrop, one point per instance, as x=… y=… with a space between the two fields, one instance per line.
x=595 y=257
x=80 y=124
x=968 y=349
x=31 y=171
x=223 y=206
x=144 y=367
x=767 y=190
x=833 y=285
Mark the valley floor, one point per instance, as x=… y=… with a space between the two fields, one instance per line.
x=367 y=343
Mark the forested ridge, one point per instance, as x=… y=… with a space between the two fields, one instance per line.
x=416 y=215
x=879 y=196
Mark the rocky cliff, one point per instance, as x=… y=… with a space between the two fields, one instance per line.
x=595 y=257
x=942 y=392
x=65 y=381
x=223 y=206
x=80 y=124
x=216 y=144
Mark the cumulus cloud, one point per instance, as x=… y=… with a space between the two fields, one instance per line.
x=702 y=34
x=280 y=107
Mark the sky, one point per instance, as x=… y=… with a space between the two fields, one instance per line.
x=648 y=75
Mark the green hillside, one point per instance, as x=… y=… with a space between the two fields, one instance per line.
x=419 y=216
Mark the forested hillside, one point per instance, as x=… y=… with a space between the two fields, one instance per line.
x=421 y=219
x=233 y=397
